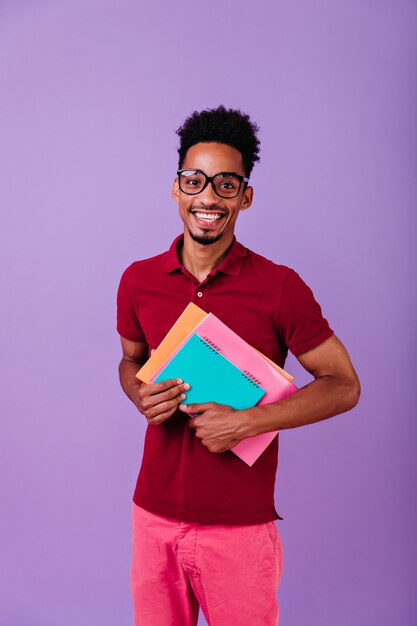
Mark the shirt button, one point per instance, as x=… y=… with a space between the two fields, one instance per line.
x=199 y=293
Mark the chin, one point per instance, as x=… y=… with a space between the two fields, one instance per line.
x=205 y=239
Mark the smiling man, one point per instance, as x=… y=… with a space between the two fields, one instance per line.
x=204 y=532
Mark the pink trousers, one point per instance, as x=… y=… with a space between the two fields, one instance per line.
x=231 y=572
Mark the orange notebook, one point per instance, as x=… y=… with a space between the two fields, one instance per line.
x=183 y=327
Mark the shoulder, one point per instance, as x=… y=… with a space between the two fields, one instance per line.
x=279 y=279
x=145 y=267
x=152 y=267
x=266 y=267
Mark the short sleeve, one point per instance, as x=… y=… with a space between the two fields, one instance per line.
x=300 y=319
x=128 y=325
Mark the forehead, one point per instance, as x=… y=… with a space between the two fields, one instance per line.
x=214 y=157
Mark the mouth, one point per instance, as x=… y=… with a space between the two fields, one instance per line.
x=207 y=219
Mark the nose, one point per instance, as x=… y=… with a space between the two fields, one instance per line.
x=208 y=196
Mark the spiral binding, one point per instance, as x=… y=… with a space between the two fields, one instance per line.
x=211 y=343
x=212 y=346
x=252 y=377
x=208 y=345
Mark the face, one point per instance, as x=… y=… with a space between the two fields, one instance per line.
x=207 y=217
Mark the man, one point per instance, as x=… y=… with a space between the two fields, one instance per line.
x=203 y=521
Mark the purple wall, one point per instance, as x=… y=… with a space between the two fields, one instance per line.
x=90 y=96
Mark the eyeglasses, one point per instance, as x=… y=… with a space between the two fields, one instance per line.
x=225 y=184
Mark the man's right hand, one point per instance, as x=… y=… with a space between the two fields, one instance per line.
x=158 y=401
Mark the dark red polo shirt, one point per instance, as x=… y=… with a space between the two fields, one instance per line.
x=273 y=310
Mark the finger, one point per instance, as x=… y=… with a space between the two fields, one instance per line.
x=155 y=421
x=162 y=386
x=151 y=399
x=218 y=448
x=199 y=434
x=196 y=408
x=152 y=412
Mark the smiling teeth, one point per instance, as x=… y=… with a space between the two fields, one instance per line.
x=208 y=217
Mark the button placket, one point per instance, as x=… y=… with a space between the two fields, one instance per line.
x=202 y=292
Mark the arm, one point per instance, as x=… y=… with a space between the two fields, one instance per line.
x=158 y=401
x=335 y=389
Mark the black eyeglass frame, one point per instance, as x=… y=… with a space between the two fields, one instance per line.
x=210 y=179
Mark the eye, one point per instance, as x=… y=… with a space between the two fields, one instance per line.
x=191 y=179
x=227 y=182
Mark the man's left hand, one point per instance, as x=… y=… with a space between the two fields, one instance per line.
x=220 y=427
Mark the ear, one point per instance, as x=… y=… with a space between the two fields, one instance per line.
x=176 y=190
x=247 y=198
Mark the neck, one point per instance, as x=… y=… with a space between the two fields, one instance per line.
x=200 y=259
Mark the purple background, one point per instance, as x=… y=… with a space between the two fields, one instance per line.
x=90 y=96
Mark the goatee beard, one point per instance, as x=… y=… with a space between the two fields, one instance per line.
x=206 y=239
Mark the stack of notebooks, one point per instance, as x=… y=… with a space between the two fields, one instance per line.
x=219 y=367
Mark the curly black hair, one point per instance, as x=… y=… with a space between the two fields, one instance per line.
x=228 y=126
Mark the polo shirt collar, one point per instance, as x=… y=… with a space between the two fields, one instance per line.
x=231 y=264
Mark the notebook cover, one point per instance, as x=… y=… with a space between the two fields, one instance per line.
x=277 y=367
x=211 y=376
x=179 y=332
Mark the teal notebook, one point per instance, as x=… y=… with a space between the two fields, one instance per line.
x=211 y=376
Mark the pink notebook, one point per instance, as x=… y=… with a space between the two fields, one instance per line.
x=256 y=366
